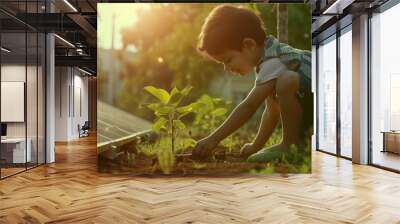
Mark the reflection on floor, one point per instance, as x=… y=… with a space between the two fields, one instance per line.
x=387 y=159
x=11 y=169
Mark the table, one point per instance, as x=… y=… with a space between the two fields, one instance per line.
x=13 y=150
x=391 y=141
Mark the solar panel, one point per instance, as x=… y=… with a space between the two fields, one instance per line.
x=114 y=123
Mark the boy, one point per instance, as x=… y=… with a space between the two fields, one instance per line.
x=235 y=36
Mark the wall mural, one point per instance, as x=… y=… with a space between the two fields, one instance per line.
x=204 y=89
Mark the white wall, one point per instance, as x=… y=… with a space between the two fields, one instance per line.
x=71 y=94
x=62 y=80
x=80 y=94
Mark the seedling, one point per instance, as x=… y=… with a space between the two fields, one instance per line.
x=168 y=112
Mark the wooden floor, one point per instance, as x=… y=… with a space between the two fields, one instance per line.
x=10 y=171
x=71 y=191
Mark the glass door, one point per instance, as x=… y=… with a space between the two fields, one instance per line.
x=385 y=89
x=327 y=95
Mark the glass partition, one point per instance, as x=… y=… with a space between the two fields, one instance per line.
x=31 y=100
x=22 y=88
x=14 y=151
x=327 y=95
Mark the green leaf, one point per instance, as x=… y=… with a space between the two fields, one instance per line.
x=153 y=106
x=185 y=109
x=198 y=108
x=166 y=160
x=217 y=100
x=179 y=124
x=219 y=112
x=176 y=97
x=159 y=124
x=188 y=143
x=174 y=91
x=183 y=114
x=199 y=166
x=186 y=90
x=159 y=109
x=160 y=94
x=207 y=100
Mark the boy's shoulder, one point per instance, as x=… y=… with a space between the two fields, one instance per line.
x=287 y=54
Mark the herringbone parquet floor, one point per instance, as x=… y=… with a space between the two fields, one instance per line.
x=71 y=191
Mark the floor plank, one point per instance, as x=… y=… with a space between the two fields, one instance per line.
x=71 y=191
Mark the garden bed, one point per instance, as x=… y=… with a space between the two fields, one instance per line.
x=167 y=148
x=224 y=162
x=220 y=164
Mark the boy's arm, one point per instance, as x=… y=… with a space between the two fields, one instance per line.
x=236 y=119
x=269 y=121
x=244 y=110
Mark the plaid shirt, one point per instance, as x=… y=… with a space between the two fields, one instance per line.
x=295 y=59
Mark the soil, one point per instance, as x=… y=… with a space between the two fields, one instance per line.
x=222 y=164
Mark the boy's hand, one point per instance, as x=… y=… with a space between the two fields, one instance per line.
x=247 y=150
x=204 y=147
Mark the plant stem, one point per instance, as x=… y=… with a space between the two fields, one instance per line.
x=173 y=137
x=172 y=132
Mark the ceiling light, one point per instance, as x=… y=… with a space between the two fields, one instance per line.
x=5 y=50
x=337 y=7
x=84 y=71
x=65 y=41
x=70 y=5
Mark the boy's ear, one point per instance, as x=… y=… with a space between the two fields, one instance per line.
x=248 y=43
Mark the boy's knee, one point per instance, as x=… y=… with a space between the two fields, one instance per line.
x=287 y=84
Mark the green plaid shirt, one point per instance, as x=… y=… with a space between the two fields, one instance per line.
x=294 y=59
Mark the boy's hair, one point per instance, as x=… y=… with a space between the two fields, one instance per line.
x=226 y=27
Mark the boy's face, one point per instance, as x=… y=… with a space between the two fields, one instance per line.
x=241 y=62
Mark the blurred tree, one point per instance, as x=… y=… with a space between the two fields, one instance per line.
x=101 y=82
x=282 y=25
x=298 y=18
x=165 y=40
x=299 y=26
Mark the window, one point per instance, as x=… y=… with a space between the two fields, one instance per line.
x=327 y=95
x=346 y=92
x=385 y=86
